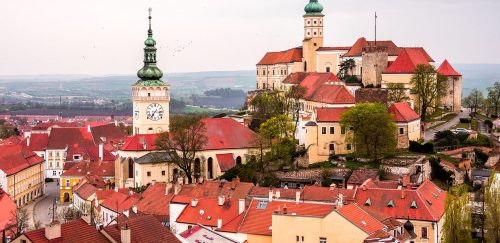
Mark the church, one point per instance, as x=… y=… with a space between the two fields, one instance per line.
x=139 y=162
x=377 y=63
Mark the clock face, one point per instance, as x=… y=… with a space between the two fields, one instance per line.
x=154 y=112
x=136 y=112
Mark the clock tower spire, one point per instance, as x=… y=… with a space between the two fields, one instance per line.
x=150 y=95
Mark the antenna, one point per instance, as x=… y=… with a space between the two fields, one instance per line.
x=375 y=28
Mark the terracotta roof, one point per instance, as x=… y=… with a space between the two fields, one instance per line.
x=38 y=141
x=447 y=69
x=60 y=138
x=335 y=48
x=402 y=112
x=428 y=199
x=421 y=49
x=326 y=194
x=46 y=125
x=288 y=56
x=85 y=191
x=7 y=210
x=143 y=228
x=359 y=176
x=258 y=219
x=326 y=88
x=360 y=44
x=295 y=78
x=119 y=202
x=212 y=189
x=381 y=236
x=111 y=133
x=154 y=201
x=226 y=161
x=73 y=231
x=263 y=192
x=407 y=61
x=360 y=218
x=15 y=158
x=219 y=131
x=198 y=233
x=330 y=114
x=81 y=169
x=212 y=212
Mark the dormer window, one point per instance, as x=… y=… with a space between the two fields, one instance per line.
x=368 y=202
x=413 y=204
x=390 y=204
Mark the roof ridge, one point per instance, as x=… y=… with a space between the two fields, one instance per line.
x=245 y=216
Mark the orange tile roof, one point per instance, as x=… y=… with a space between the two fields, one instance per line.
x=226 y=161
x=321 y=87
x=330 y=114
x=402 y=112
x=73 y=231
x=81 y=169
x=258 y=220
x=326 y=194
x=447 y=69
x=154 y=201
x=37 y=141
x=143 y=228
x=212 y=212
x=407 y=61
x=360 y=218
x=360 y=44
x=288 y=56
x=7 y=210
x=424 y=52
x=15 y=158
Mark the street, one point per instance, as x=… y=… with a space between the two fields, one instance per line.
x=429 y=134
x=43 y=209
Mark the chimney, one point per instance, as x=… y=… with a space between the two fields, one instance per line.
x=221 y=200
x=28 y=142
x=116 y=123
x=134 y=209
x=153 y=182
x=126 y=213
x=116 y=189
x=53 y=230
x=333 y=186
x=270 y=195
x=125 y=234
x=101 y=151
x=285 y=209
x=194 y=202
x=219 y=223
x=177 y=189
x=297 y=196
x=241 y=206
x=340 y=201
x=88 y=128
x=168 y=186
x=277 y=194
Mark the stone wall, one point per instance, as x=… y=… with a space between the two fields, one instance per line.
x=374 y=62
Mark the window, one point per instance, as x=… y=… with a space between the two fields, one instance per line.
x=349 y=146
x=149 y=94
x=401 y=130
x=327 y=69
x=297 y=238
x=148 y=173
x=331 y=147
x=323 y=130
x=424 y=233
x=332 y=130
x=54 y=173
x=315 y=21
x=322 y=240
x=67 y=183
x=163 y=173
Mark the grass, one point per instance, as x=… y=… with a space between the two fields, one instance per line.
x=352 y=165
x=448 y=158
x=434 y=116
x=474 y=125
x=461 y=125
x=483 y=117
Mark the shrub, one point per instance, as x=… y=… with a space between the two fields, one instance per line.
x=481 y=140
x=464 y=120
x=49 y=180
x=427 y=148
x=489 y=123
x=438 y=172
x=482 y=157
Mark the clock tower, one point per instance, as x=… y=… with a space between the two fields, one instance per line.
x=150 y=95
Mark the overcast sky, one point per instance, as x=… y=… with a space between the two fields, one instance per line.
x=106 y=36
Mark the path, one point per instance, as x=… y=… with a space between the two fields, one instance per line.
x=429 y=134
x=43 y=209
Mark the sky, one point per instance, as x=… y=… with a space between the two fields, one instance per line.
x=105 y=37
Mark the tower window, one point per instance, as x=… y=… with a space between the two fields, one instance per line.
x=315 y=44
x=327 y=69
x=149 y=94
x=314 y=32
x=315 y=22
x=308 y=22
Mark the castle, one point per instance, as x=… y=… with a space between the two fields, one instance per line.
x=376 y=64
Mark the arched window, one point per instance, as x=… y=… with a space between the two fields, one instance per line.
x=238 y=160
x=210 y=165
x=197 y=167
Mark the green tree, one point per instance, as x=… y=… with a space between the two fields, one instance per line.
x=458 y=216
x=474 y=101
x=345 y=69
x=374 y=131
x=429 y=87
x=493 y=99
x=187 y=136
x=267 y=105
x=278 y=127
x=396 y=92
x=492 y=220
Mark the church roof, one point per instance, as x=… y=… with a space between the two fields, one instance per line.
x=288 y=56
x=447 y=69
x=407 y=61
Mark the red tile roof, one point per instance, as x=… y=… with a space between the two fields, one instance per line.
x=447 y=69
x=226 y=161
x=258 y=221
x=295 y=78
x=335 y=48
x=263 y=192
x=119 y=202
x=143 y=228
x=219 y=131
x=360 y=218
x=407 y=61
x=321 y=87
x=428 y=198
x=60 y=138
x=421 y=49
x=154 y=201
x=326 y=194
x=46 y=125
x=73 y=231
x=212 y=212
x=288 y=56
x=357 y=49
x=330 y=114
x=111 y=133
x=359 y=176
x=15 y=158
x=212 y=189
x=84 y=168
x=7 y=210
x=85 y=191
x=402 y=112
x=37 y=141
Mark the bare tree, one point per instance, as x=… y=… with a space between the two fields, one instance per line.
x=187 y=136
x=474 y=101
x=20 y=224
x=396 y=92
x=429 y=86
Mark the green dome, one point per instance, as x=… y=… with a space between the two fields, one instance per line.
x=150 y=42
x=148 y=73
x=313 y=8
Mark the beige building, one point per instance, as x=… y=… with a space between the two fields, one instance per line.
x=408 y=124
x=21 y=173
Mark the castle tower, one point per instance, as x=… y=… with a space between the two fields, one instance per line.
x=150 y=95
x=313 y=34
